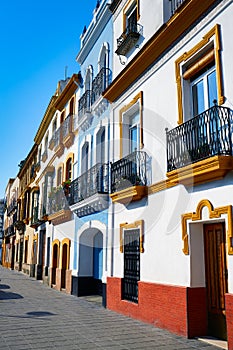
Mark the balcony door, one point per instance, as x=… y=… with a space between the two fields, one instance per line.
x=85 y=158
x=203 y=90
x=100 y=146
x=131 y=133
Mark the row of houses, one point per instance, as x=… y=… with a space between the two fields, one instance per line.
x=127 y=190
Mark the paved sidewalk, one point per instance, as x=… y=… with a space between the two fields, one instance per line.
x=34 y=316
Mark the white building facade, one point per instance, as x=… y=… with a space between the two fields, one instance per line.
x=170 y=222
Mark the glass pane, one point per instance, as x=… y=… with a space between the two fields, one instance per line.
x=198 y=98
x=133 y=138
x=212 y=88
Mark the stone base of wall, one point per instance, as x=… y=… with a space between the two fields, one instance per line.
x=180 y=310
x=59 y=278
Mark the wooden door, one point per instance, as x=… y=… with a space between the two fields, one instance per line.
x=216 y=278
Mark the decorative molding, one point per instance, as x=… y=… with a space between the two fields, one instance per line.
x=102 y=17
x=125 y=226
x=130 y=194
x=67 y=93
x=137 y=98
x=213 y=214
x=209 y=169
x=60 y=217
x=214 y=32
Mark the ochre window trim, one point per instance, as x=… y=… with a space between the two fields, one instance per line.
x=67 y=242
x=213 y=214
x=135 y=225
x=137 y=98
x=215 y=31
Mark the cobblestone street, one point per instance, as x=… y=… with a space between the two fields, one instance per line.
x=34 y=316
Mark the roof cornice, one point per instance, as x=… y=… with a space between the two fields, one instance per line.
x=68 y=92
x=46 y=120
x=93 y=31
x=167 y=35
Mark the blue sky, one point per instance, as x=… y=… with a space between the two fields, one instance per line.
x=38 y=40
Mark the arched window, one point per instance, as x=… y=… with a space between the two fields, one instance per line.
x=88 y=78
x=84 y=161
x=100 y=146
x=68 y=169
x=103 y=57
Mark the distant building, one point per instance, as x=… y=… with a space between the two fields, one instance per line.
x=2 y=206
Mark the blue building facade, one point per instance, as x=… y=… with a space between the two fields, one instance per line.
x=89 y=191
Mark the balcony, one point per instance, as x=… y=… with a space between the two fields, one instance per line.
x=58 y=208
x=10 y=231
x=128 y=39
x=58 y=145
x=52 y=142
x=12 y=207
x=128 y=178
x=67 y=131
x=99 y=84
x=89 y=192
x=84 y=109
x=200 y=149
x=35 y=222
x=175 y=4
x=44 y=156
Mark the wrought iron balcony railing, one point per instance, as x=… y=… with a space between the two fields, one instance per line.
x=128 y=39
x=57 y=137
x=100 y=83
x=129 y=171
x=12 y=207
x=67 y=126
x=204 y=136
x=95 y=180
x=175 y=4
x=35 y=215
x=57 y=201
x=84 y=103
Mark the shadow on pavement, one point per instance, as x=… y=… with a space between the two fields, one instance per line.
x=40 y=313
x=9 y=295
x=4 y=286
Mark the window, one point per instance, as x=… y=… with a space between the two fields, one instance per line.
x=69 y=169
x=62 y=117
x=131 y=16
x=88 y=79
x=46 y=142
x=84 y=157
x=203 y=90
x=131 y=126
x=71 y=106
x=59 y=176
x=100 y=146
x=199 y=76
x=131 y=264
x=54 y=127
x=134 y=132
x=131 y=244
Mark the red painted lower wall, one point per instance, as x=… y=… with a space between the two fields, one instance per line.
x=181 y=310
x=229 y=318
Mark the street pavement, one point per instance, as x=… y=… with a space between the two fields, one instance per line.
x=34 y=316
